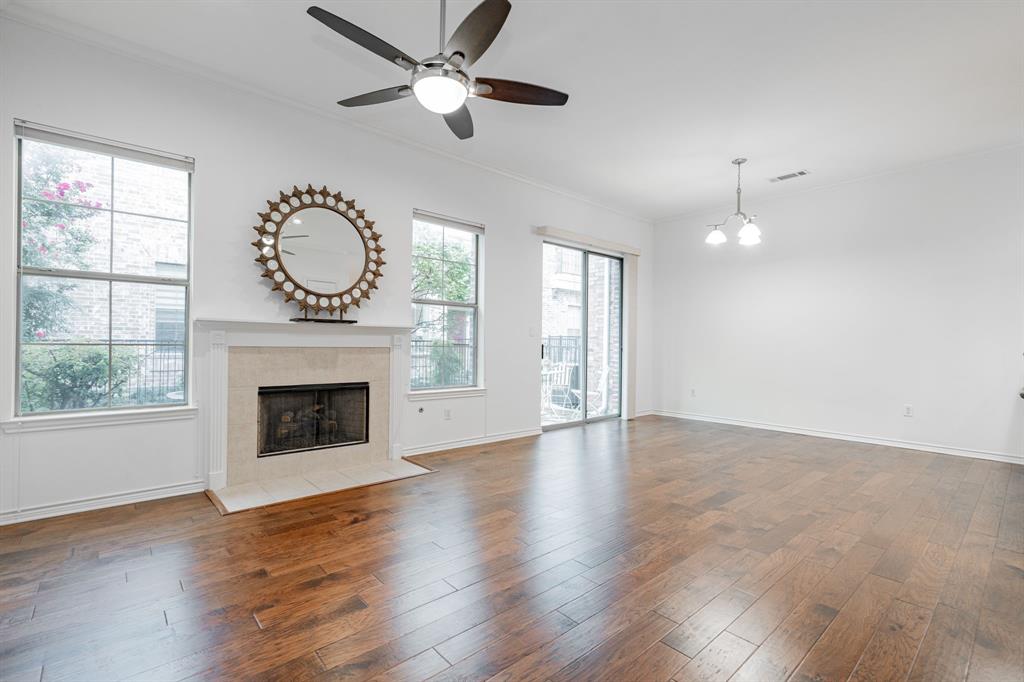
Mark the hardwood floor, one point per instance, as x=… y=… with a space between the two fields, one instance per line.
x=652 y=550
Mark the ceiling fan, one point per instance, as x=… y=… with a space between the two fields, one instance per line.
x=439 y=82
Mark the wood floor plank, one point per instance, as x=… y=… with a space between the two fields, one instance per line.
x=965 y=584
x=1004 y=586
x=577 y=554
x=703 y=589
x=700 y=629
x=608 y=659
x=998 y=653
x=834 y=656
x=946 y=650
x=764 y=615
x=658 y=664
x=420 y=667
x=718 y=661
x=891 y=652
x=469 y=641
x=928 y=576
x=904 y=552
x=782 y=651
x=1011 y=530
x=504 y=651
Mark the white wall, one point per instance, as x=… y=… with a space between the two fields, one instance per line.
x=904 y=288
x=247 y=148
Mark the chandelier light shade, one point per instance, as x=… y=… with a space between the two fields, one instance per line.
x=749 y=230
x=750 y=233
x=716 y=236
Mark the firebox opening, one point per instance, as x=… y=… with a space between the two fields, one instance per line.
x=311 y=417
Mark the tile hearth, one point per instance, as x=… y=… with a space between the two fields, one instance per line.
x=244 y=496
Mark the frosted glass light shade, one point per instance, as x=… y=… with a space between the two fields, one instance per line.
x=750 y=240
x=749 y=229
x=440 y=94
x=716 y=237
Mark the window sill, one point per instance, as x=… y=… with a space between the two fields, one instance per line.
x=81 y=420
x=445 y=393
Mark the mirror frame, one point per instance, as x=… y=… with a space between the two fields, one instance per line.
x=279 y=211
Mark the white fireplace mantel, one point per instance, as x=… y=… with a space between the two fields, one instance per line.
x=213 y=338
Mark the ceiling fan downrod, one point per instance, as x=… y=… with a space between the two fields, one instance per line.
x=442 y=41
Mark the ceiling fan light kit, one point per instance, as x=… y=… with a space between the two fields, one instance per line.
x=439 y=82
x=440 y=90
x=749 y=233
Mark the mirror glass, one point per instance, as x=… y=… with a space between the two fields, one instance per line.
x=321 y=250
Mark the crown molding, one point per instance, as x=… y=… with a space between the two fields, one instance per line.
x=17 y=12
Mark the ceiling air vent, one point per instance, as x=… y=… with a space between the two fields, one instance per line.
x=788 y=176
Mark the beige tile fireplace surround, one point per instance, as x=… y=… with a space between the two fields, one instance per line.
x=240 y=358
x=250 y=368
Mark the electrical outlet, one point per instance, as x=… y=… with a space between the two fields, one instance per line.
x=908 y=410
x=447 y=414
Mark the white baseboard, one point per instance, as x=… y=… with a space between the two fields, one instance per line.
x=62 y=508
x=857 y=438
x=467 y=442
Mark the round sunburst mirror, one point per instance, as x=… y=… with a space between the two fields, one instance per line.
x=319 y=250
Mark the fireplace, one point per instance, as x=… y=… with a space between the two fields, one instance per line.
x=311 y=417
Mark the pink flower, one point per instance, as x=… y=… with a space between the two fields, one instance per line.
x=40 y=334
x=97 y=205
x=61 y=226
x=43 y=250
x=47 y=194
x=80 y=186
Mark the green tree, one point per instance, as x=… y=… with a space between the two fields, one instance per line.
x=444 y=270
x=449 y=279
x=55 y=208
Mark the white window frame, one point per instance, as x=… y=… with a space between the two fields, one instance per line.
x=477 y=387
x=25 y=130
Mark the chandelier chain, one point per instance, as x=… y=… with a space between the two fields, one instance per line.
x=739 y=190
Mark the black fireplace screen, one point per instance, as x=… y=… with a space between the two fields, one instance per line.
x=294 y=418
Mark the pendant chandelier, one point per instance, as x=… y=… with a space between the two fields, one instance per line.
x=750 y=233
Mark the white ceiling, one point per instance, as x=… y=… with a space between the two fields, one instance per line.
x=662 y=94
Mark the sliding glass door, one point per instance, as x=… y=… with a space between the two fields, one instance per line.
x=581 y=344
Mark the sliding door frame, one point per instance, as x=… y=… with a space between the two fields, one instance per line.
x=585 y=332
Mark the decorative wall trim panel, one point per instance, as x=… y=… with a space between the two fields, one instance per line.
x=61 y=508
x=86 y=420
x=215 y=408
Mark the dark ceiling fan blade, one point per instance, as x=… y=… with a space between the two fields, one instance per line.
x=377 y=96
x=363 y=38
x=460 y=122
x=478 y=30
x=520 y=93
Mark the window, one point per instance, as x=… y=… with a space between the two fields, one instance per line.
x=445 y=273
x=102 y=274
